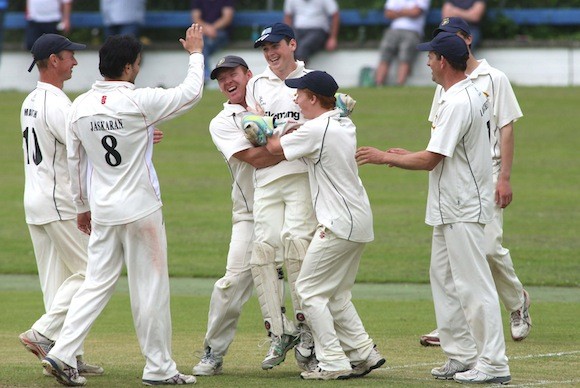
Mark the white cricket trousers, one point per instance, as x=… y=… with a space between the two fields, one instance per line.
x=232 y=291
x=508 y=285
x=324 y=288
x=61 y=258
x=142 y=247
x=466 y=302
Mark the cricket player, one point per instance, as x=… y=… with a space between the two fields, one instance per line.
x=327 y=143
x=234 y=289
x=111 y=127
x=284 y=220
x=505 y=111
x=459 y=205
x=59 y=247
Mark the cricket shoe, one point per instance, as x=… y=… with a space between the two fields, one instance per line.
x=279 y=346
x=87 y=369
x=209 y=365
x=449 y=369
x=36 y=343
x=473 y=376
x=431 y=339
x=178 y=379
x=304 y=350
x=373 y=361
x=320 y=374
x=65 y=374
x=520 y=320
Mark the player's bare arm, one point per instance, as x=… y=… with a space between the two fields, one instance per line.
x=421 y=160
x=274 y=146
x=503 y=189
x=258 y=157
x=193 y=42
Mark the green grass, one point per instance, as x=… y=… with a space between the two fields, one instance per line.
x=541 y=225
x=394 y=315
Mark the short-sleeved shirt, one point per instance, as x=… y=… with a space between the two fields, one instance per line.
x=211 y=10
x=408 y=23
x=460 y=186
x=311 y=14
x=115 y=12
x=44 y=11
x=328 y=144
x=276 y=100
x=228 y=136
x=505 y=108
x=47 y=193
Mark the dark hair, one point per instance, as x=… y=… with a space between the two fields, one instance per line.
x=116 y=52
x=461 y=65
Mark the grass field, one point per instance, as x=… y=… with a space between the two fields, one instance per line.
x=392 y=294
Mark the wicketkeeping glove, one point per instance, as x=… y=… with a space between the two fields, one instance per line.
x=258 y=128
x=345 y=103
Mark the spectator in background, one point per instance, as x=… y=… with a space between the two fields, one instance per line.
x=315 y=23
x=123 y=17
x=215 y=16
x=472 y=11
x=46 y=17
x=401 y=38
x=3 y=8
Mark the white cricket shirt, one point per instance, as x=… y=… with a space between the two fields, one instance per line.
x=47 y=194
x=340 y=201
x=498 y=90
x=228 y=136
x=277 y=100
x=460 y=186
x=111 y=126
x=311 y=14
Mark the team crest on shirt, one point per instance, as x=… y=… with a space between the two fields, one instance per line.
x=322 y=234
x=103 y=100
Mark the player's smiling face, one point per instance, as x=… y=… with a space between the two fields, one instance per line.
x=435 y=64
x=304 y=100
x=280 y=56
x=232 y=83
x=65 y=62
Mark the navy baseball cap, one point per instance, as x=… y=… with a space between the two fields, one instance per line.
x=49 y=44
x=319 y=82
x=274 y=33
x=447 y=44
x=452 y=25
x=227 y=62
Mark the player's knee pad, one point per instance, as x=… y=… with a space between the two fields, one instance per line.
x=266 y=282
x=294 y=252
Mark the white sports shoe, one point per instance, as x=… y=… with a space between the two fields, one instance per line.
x=449 y=369
x=87 y=369
x=304 y=350
x=319 y=374
x=64 y=373
x=520 y=320
x=178 y=379
x=36 y=343
x=431 y=339
x=374 y=361
x=209 y=365
x=279 y=346
x=473 y=376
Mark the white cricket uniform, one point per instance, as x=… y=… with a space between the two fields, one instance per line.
x=111 y=127
x=328 y=144
x=59 y=247
x=282 y=207
x=234 y=289
x=460 y=202
x=496 y=86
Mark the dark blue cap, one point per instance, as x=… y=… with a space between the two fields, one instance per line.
x=319 y=82
x=447 y=44
x=227 y=62
x=274 y=33
x=452 y=25
x=49 y=44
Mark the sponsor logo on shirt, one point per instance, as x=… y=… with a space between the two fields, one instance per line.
x=284 y=115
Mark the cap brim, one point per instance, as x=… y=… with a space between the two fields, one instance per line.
x=214 y=72
x=425 y=46
x=272 y=38
x=295 y=83
x=75 y=46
